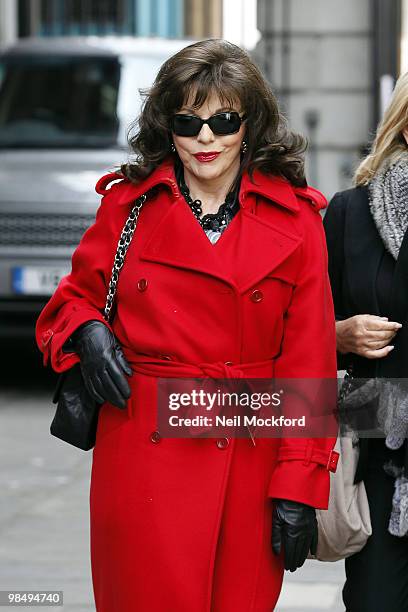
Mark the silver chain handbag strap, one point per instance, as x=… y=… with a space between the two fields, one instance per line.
x=121 y=250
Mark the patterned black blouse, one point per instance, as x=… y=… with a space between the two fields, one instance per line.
x=231 y=205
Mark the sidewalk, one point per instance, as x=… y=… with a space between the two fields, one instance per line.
x=44 y=516
x=316 y=587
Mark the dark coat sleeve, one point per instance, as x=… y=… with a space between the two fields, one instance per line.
x=334 y=223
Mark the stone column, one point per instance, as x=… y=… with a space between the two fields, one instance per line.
x=317 y=55
x=8 y=21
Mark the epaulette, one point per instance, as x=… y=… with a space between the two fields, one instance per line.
x=101 y=186
x=315 y=198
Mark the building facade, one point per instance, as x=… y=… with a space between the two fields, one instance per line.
x=164 y=18
x=332 y=65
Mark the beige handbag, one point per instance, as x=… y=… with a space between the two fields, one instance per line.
x=345 y=526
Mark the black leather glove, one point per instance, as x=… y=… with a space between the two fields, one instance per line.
x=103 y=364
x=294 y=526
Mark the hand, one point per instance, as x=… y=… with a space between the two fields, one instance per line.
x=366 y=335
x=294 y=526
x=103 y=364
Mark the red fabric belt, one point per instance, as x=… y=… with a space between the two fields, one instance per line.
x=169 y=368
x=161 y=367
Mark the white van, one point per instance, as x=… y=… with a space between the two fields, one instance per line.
x=65 y=107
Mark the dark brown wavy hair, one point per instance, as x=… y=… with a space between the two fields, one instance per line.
x=219 y=67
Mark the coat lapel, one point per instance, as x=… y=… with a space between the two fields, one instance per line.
x=394 y=366
x=364 y=250
x=178 y=240
x=250 y=248
x=399 y=289
x=255 y=248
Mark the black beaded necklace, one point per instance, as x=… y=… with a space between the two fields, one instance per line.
x=211 y=221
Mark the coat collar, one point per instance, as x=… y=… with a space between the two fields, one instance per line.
x=251 y=247
x=162 y=175
x=274 y=188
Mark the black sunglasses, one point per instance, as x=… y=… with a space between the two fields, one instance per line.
x=220 y=123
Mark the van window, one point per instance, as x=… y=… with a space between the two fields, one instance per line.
x=59 y=101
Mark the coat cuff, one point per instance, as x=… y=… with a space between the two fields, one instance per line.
x=52 y=340
x=304 y=477
x=305 y=484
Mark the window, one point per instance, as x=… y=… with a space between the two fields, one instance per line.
x=59 y=101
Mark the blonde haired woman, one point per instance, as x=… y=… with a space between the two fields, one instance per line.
x=366 y=231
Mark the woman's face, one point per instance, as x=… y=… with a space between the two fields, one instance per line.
x=226 y=159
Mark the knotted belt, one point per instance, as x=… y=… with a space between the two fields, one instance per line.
x=166 y=367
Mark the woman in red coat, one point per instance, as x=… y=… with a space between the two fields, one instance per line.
x=226 y=276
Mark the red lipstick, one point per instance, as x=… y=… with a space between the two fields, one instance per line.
x=207 y=157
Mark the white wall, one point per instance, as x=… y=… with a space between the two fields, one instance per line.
x=239 y=22
x=8 y=21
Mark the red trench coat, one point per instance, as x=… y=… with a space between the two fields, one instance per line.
x=184 y=524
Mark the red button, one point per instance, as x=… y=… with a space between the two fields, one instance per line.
x=223 y=443
x=228 y=363
x=155 y=437
x=257 y=295
x=142 y=284
x=166 y=357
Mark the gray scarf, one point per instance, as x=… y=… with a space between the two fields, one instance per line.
x=388 y=201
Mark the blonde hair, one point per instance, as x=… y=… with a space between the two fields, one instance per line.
x=389 y=144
